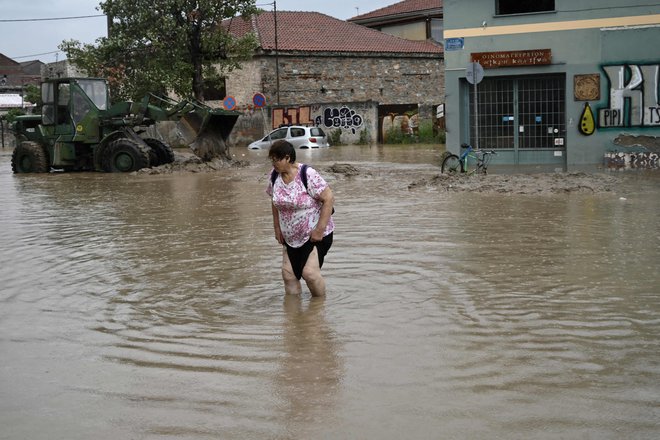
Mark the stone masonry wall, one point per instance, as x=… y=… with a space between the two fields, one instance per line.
x=243 y=83
x=386 y=80
x=306 y=79
x=332 y=91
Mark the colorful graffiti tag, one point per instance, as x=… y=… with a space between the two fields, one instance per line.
x=633 y=99
x=292 y=116
x=343 y=118
x=632 y=160
x=331 y=117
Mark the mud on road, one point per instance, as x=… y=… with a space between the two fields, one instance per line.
x=428 y=177
x=541 y=183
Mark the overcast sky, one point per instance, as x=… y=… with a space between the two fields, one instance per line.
x=28 y=40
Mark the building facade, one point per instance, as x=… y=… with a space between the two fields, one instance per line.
x=326 y=72
x=559 y=82
x=410 y=19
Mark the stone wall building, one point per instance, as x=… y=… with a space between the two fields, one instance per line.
x=331 y=73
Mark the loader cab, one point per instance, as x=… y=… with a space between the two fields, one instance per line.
x=67 y=102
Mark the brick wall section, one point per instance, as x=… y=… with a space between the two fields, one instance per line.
x=384 y=79
x=332 y=80
x=243 y=83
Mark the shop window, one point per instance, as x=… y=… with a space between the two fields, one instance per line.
x=526 y=112
x=506 y=7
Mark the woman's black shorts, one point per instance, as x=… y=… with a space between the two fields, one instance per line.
x=298 y=256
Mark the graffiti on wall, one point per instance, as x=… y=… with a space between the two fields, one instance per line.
x=632 y=160
x=292 y=116
x=330 y=117
x=633 y=97
x=395 y=125
x=343 y=118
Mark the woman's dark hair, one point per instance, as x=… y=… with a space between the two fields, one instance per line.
x=281 y=149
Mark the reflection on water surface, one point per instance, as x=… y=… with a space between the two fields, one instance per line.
x=151 y=307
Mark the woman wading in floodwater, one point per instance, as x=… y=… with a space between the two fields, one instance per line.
x=302 y=219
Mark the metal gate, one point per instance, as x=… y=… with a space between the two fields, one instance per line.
x=524 y=117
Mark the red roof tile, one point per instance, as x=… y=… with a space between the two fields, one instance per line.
x=404 y=7
x=316 y=32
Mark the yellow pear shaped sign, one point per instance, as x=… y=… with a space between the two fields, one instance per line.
x=587 y=122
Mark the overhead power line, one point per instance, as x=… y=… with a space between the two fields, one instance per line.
x=36 y=54
x=16 y=20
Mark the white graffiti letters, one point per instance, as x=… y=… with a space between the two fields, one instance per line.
x=635 y=103
x=651 y=76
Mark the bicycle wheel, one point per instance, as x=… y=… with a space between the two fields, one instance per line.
x=484 y=162
x=451 y=165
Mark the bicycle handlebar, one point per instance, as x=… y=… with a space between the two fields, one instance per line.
x=474 y=150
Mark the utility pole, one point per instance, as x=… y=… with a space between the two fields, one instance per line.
x=277 y=59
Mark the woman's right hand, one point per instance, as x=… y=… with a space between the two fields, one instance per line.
x=278 y=236
x=276 y=225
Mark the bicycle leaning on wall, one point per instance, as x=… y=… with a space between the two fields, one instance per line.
x=453 y=164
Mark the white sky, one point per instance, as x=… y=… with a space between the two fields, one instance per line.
x=30 y=40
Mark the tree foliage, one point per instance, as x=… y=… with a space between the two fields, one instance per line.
x=33 y=94
x=165 y=45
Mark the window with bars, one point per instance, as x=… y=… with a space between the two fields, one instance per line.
x=522 y=112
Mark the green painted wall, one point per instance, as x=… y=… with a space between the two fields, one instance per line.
x=574 y=52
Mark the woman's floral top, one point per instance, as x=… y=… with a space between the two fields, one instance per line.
x=299 y=209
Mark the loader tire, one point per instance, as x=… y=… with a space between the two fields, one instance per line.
x=124 y=155
x=161 y=153
x=29 y=157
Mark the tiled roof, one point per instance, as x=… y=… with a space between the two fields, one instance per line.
x=404 y=7
x=316 y=32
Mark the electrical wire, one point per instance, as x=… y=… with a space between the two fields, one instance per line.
x=36 y=54
x=16 y=20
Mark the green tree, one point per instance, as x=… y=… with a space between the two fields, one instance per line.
x=159 y=46
x=32 y=94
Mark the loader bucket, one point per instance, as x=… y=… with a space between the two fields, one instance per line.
x=207 y=131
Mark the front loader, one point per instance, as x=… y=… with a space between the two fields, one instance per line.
x=78 y=129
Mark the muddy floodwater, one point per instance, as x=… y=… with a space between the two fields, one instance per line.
x=151 y=307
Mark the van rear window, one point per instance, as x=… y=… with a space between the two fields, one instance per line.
x=297 y=132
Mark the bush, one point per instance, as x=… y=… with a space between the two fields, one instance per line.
x=396 y=136
x=335 y=137
x=428 y=134
x=364 y=137
x=11 y=114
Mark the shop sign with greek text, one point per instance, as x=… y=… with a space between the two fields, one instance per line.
x=513 y=58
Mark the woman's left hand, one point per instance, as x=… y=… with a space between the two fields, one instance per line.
x=316 y=235
x=328 y=200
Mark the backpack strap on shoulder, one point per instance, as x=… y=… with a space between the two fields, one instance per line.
x=303 y=175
